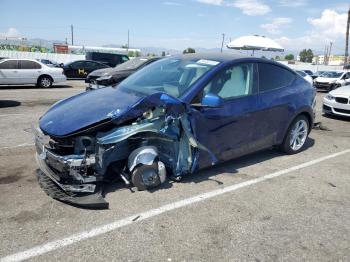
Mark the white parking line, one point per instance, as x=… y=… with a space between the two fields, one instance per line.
x=20 y=145
x=5 y=115
x=56 y=244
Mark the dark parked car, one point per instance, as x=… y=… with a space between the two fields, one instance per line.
x=170 y=119
x=111 y=76
x=81 y=68
x=317 y=74
x=107 y=58
x=309 y=72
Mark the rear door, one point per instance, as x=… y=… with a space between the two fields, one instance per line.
x=9 y=72
x=92 y=66
x=29 y=71
x=275 y=102
x=76 y=70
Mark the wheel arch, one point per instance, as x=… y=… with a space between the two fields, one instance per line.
x=307 y=112
x=44 y=75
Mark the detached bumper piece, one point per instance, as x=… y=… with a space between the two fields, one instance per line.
x=48 y=181
x=90 y=200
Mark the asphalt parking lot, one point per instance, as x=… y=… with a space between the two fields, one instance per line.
x=262 y=207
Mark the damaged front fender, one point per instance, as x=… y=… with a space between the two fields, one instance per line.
x=158 y=137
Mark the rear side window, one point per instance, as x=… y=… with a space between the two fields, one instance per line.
x=24 y=64
x=78 y=65
x=273 y=77
x=10 y=64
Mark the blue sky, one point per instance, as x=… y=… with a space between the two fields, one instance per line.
x=178 y=24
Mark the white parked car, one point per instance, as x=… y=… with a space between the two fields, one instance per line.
x=305 y=76
x=337 y=102
x=332 y=79
x=29 y=71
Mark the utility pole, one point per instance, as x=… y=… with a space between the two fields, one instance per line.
x=128 y=40
x=326 y=56
x=222 y=43
x=330 y=50
x=72 y=33
x=347 y=40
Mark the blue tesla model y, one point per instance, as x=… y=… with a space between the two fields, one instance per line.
x=170 y=119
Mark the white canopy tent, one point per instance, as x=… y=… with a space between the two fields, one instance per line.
x=255 y=42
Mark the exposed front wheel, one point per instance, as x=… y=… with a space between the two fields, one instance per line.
x=45 y=82
x=148 y=176
x=295 y=138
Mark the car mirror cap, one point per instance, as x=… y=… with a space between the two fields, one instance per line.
x=212 y=100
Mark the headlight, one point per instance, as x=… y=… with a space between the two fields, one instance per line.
x=329 y=97
x=103 y=78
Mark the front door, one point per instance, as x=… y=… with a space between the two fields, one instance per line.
x=228 y=131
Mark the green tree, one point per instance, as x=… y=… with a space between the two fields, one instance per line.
x=134 y=54
x=306 y=55
x=277 y=58
x=124 y=46
x=189 y=50
x=289 y=57
x=163 y=53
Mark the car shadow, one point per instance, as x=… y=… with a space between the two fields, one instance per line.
x=336 y=117
x=9 y=103
x=11 y=87
x=230 y=167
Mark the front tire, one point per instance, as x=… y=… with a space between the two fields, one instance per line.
x=145 y=177
x=45 y=82
x=296 y=136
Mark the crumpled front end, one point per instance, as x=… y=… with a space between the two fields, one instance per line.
x=151 y=140
x=68 y=177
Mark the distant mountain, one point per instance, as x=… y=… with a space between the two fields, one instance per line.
x=158 y=50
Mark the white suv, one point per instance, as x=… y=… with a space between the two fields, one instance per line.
x=29 y=71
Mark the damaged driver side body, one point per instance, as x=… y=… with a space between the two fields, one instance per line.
x=170 y=119
x=156 y=143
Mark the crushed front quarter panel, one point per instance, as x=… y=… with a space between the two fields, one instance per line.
x=158 y=121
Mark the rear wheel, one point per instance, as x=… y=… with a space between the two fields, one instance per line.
x=295 y=138
x=45 y=81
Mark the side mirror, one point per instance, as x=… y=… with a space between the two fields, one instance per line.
x=212 y=100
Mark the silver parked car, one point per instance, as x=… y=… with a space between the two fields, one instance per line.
x=29 y=71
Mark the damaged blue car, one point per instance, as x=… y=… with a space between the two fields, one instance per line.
x=168 y=120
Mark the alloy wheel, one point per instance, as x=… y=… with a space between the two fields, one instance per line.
x=298 y=135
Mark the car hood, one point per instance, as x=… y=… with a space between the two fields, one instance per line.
x=341 y=91
x=101 y=72
x=89 y=109
x=326 y=79
x=86 y=109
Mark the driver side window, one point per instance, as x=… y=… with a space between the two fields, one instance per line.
x=232 y=82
